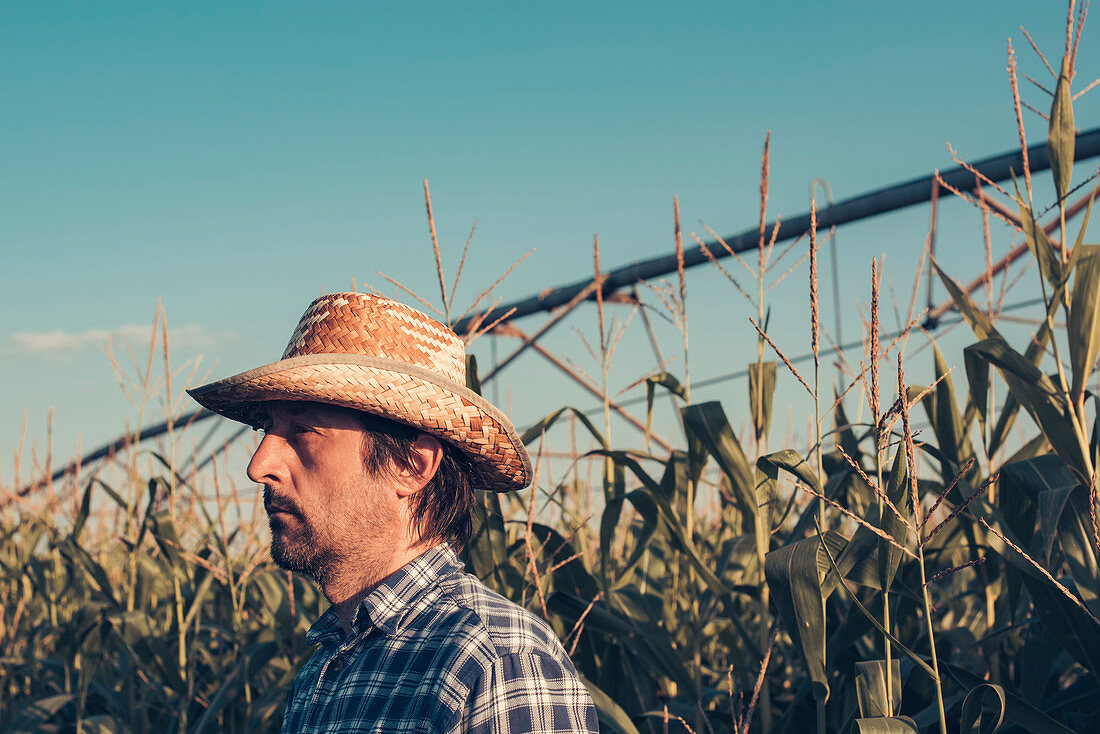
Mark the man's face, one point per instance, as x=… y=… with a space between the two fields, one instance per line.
x=324 y=510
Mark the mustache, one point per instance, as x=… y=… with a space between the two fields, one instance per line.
x=280 y=504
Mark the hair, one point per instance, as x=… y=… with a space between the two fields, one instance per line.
x=443 y=510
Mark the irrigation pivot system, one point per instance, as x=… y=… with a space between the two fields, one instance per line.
x=879 y=201
x=565 y=298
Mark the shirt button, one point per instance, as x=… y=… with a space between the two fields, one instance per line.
x=336 y=666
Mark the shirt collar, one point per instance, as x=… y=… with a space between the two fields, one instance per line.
x=388 y=604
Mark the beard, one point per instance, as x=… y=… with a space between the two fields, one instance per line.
x=332 y=540
x=296 y=549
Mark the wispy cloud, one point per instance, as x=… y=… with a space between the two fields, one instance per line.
x=47 y=343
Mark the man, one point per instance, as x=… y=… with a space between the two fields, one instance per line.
x=372 y=450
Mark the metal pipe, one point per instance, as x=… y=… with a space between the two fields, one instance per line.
x=880 y=201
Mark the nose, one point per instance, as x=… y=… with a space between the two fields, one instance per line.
x=264 y=468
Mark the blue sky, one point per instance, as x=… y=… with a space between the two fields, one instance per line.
x=236 y=160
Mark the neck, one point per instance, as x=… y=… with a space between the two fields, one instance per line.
x=354 y=581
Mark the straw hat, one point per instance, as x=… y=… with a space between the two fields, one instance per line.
x=369 y=353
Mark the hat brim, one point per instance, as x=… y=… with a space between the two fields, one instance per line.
x=390 y=389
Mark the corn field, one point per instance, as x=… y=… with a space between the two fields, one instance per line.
x=872 y=582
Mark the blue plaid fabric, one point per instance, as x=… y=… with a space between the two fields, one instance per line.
x=433 y=650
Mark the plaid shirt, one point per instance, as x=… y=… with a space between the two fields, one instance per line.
x=433 y=650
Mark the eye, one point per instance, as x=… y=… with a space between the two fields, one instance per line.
x=302 y=428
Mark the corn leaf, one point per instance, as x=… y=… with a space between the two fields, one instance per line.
x=473 y=380
x=39 y=712
x=611 y=715
x=1017 y=710
x=1039 y=244
x=544 y=425
x=761 y=396
x=708 y=422
x=974 y=718
x=1083 y=324
x=667 y=381
x=846 y=437
x=882 y=725
x=794 y=577
x=1061 y=134
x=1070 y=625
x=871 y=688
x=792 y=462
x=1047 y=484
x=1036 y=393
x=896 y=491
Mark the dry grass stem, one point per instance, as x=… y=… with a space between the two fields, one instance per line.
x=874 y=355
x=1040 y=113
x=1082 y=14
x=998 y=209
x=877 y=490
x=1019 y=117
x=477 y=333
x=782 y=356
x=943 y=495
x=1069 y=29
x=409 y=291
x=1086 y=89
x=924 y=393
x=476 y=322
x=783 y=253
x=565 y=561
x=788 y=271
x=669 y=716
x=527 y=531
x=435 y=248
x=729 y=250
x=1038 y=567
x=925 y=253
x=575 y=633
x=764 y=166
x=1039 y=85
x=1039 y=53
x=1092 y=516
x=759 y=684
x=771 y=243
x=910 y=453
x=599 y=290
x=679 y=247
x=859 y=520
x=197 y=560
x=481 y=296
x=730 y=278
x=966 y=503
x=734 y=715
x=588 y=348
x=979 y=177
x=848 y=389
x=665 y=295
x=618 y=329
x=972 y=201
x=461 y=264
x=955 y=569
x=987 y=239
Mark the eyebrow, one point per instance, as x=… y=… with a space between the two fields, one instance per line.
x=294 y=410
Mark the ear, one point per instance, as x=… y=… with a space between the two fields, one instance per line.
x=427 y=453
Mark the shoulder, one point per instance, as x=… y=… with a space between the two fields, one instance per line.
x=471 y=628
x=518 y=677
x=501 y=626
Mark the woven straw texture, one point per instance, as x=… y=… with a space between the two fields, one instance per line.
x=358 y=323
x=373 y=354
